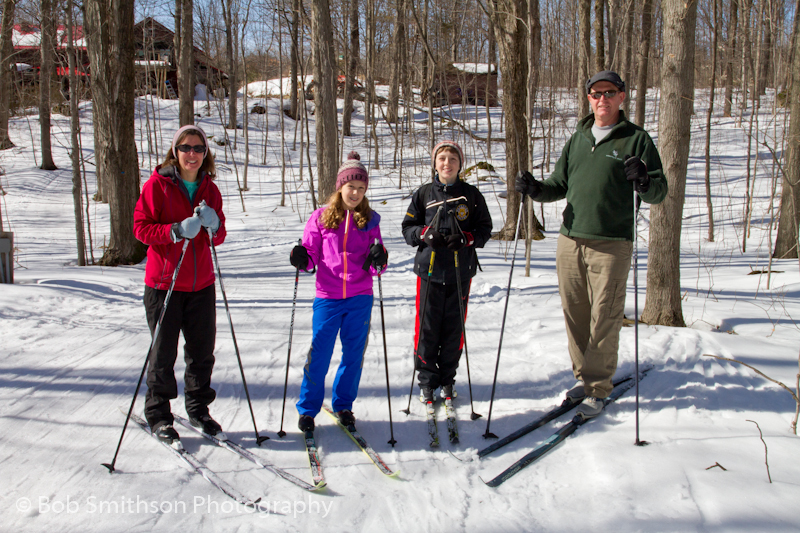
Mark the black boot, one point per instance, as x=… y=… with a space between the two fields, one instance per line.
x=306 y=423
x=346 y=418
x=166 y=433
x=207 y=425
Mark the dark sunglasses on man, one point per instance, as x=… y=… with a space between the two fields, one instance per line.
x=596 y=95
x=198 y=148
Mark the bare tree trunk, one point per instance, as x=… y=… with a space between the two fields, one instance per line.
x=230 y=57
x=627 y=69
x=324 y=96
x=110 y=36
x=45 y=79
x=730 y=53
x=398 y=41
x=7 y=70
x=715 y=39
x=766 y=48
x=644 y=60
x=584 y=53
x=677 y=92
x=786 y=242
x=75 y=153
x=185 y=35
x=599 y=35
x=511 y=35
x=294 y=59
x=352 y=67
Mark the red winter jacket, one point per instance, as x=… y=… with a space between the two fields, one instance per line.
x=164 y=201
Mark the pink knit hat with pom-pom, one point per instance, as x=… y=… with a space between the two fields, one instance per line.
x=352 y=169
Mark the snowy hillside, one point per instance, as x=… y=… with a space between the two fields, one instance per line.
x=74 y=341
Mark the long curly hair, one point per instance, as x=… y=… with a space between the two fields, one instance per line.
x=336 y=211
x=208 y=165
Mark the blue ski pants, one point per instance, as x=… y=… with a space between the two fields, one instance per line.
x=349 y=318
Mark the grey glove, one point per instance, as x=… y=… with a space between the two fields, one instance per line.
x=208 y=217
x=527 y=184
x=188 y=228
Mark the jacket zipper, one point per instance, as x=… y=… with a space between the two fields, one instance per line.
x=344 y=254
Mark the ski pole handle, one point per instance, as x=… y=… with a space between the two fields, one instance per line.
x=368 y=260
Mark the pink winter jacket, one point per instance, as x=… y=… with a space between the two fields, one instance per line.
x=164 y=201
x=339 y=254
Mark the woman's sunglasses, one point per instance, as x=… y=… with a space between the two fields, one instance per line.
x=198 y=148
x=608 y=94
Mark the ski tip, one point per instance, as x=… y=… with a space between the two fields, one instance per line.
x=109 y=466
x=318 y=487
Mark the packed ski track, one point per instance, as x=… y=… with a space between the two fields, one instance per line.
x=74 y=341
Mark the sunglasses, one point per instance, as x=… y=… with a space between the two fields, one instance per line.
x=185 y=148
x=608 y=94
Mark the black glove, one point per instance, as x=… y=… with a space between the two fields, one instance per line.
x=636 y=171
x=299 y=257
x=378 y=256
x=456 y=242
x=527 y=184
x=433 y=238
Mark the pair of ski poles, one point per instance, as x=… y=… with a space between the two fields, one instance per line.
x=365 y=266
x=434 y=223
x=488 y=434
x=259 y=439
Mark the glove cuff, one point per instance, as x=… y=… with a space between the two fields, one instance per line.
x=175 y=232
x=470 y=238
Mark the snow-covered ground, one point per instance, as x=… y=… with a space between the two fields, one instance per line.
x=74 y=341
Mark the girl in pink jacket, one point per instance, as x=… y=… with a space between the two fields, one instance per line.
x=342 y=243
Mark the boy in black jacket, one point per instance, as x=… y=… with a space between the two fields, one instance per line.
x=447 y=220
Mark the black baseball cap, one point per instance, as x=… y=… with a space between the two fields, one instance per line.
x=605 y=75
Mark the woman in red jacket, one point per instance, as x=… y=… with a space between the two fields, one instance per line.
x=169 y=211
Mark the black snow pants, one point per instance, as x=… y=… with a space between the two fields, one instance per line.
x=440 y=340
x=194 y=314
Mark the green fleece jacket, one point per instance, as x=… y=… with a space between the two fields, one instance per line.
x=591 y=176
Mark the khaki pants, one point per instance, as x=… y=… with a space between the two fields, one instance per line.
x=592 y=279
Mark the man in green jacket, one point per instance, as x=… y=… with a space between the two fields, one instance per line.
x=602 y=164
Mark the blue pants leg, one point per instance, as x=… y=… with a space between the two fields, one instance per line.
x=354 y=332
x=326 y=322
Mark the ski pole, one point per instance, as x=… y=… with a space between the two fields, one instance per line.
x=385 y=351
x=281 y=432
x=474 y=415
x=636 y=308
x=259 y=439
x=434 y=222
x=488 y=434
x=407 y=410
x=156 y=330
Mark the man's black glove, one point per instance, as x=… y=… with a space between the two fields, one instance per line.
x=456 y=241
x=299 y=257
x=433 y=238
x=636 y=171
x=378 y=256
x=527 y=184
